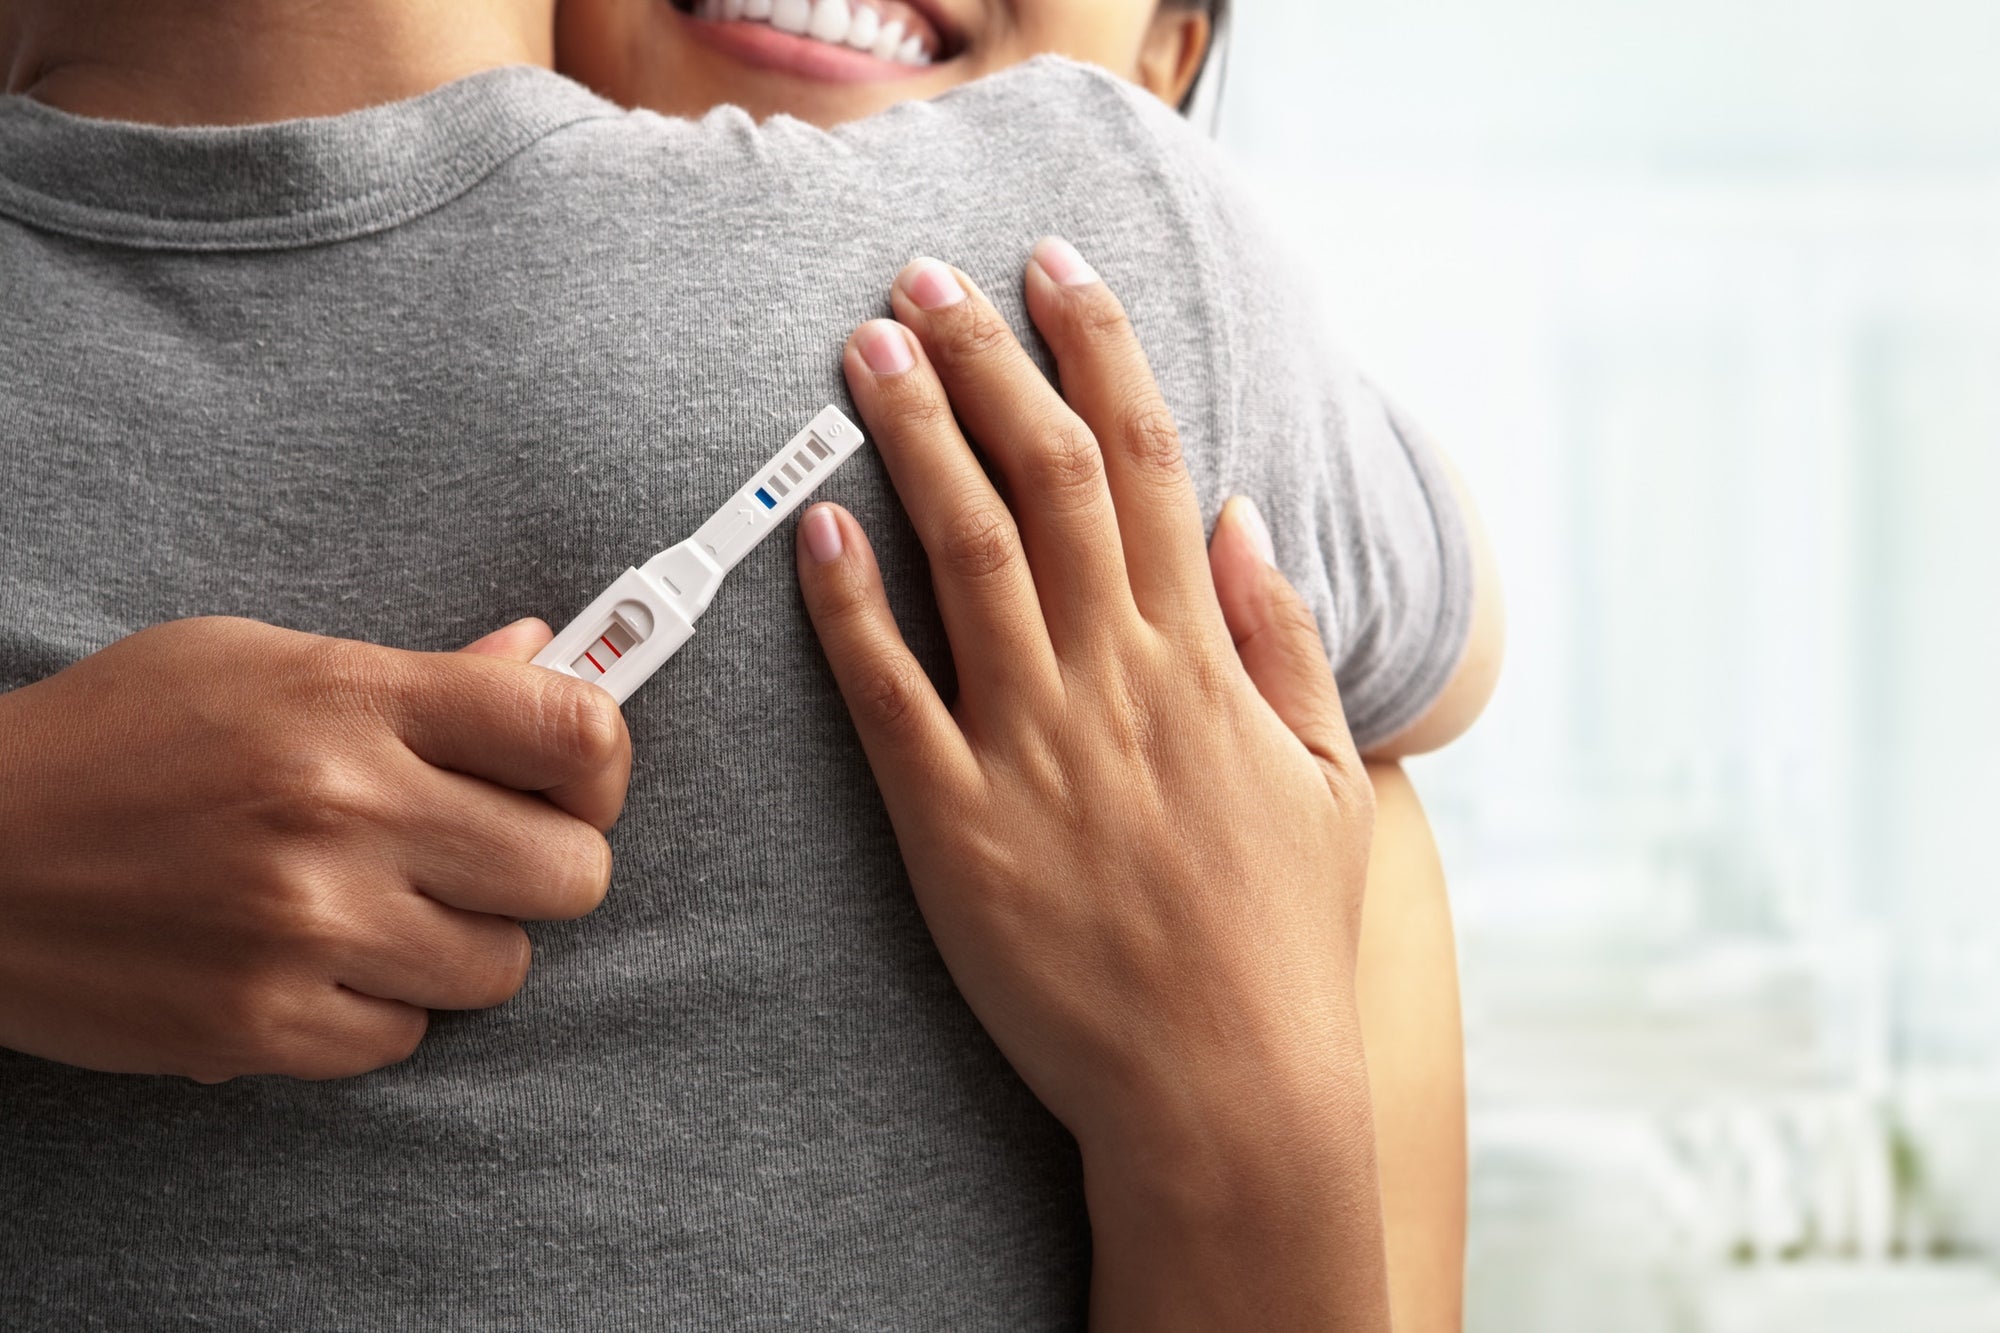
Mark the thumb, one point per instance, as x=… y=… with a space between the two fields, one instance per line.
x=518 y=642
x=1277 y=638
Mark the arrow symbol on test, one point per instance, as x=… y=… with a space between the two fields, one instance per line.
x=746 y=519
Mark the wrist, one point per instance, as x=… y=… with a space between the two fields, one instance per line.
x=1240 y=1188
x=1208 y=1140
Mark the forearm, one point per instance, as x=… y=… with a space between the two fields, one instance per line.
x=1408 y=994
x=1274 y=1219
x=1258 y=1207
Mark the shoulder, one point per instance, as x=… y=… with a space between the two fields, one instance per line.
x=1052 y=120
x=1049 y=135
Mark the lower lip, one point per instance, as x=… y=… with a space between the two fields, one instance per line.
x=764 y=46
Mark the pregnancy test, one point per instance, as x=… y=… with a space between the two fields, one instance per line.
x=641 y=620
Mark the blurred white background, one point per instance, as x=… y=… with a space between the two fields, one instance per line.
x=1704 y=296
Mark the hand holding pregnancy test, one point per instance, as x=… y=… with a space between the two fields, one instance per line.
x=640 y=621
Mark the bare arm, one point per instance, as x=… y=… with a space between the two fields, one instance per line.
x=1408 y=994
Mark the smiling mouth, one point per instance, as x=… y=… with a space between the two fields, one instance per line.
x=891 y=31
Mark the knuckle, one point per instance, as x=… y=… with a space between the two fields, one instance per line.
x=310 y=792
x=846 y=597
x=1101 y=317
x=1213 y=679
x=398 y=1038
x=885 y=698
x=592 y=725
x=978 y=544
x=255 y=1030
x=1066 y=465
x=981 y=334
x=919 y=409
x=1152 y=438
x=292 y=919
x=311 y=923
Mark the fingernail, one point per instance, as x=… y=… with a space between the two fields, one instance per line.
x=931 y=285
x=822 y=531
x=1060 y=261
x=1259 y=532
x=885 y=347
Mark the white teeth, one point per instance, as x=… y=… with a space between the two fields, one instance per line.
x=793 y=16
x=836 y=22
x=829 y=21
x=861 y=33
x=888 y=40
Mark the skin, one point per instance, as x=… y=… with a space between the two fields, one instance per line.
x=179 y=62
x=1408 y=992
x=213 y=874
x=1139 y=833
x=645 y=53
x=186 y=62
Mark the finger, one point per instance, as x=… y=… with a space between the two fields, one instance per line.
x=1051 y=462
x=353 y=1034
x=518 y=725
x=437 y=957
x=1108 y=382
x=986 y=595
x=518 y=642
x=483 y=848
x=912 y=742
x=1277 y=637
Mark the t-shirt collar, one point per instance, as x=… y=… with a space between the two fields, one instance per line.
x=278 y=185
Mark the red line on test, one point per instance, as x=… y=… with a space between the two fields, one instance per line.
x=608 y=644
x=593 y=661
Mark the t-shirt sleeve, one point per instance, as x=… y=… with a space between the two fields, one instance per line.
x=1362 y=511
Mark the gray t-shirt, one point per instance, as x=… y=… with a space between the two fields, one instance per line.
x=408 y=374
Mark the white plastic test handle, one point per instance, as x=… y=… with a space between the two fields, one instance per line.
x=641 y=620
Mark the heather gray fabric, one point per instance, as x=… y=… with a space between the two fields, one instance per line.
x=409 y=374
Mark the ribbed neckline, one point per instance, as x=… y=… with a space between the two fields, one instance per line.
x=281 y=185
